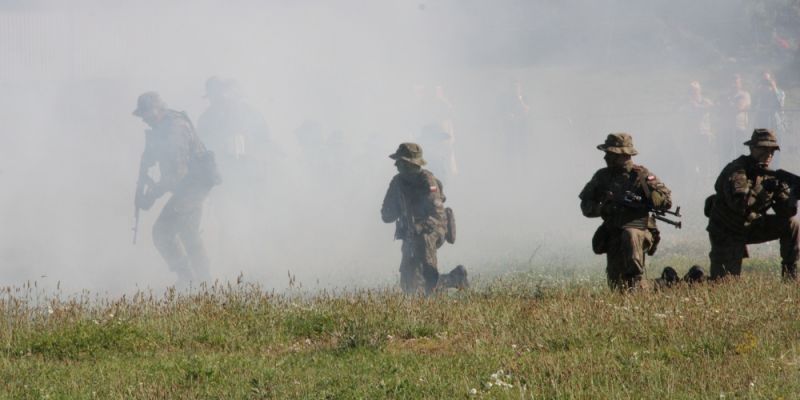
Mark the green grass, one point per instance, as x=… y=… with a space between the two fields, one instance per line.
x=519 y=336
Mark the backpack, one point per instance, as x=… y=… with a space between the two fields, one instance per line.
x=203 y=170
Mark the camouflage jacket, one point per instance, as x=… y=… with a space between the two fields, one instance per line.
x=596 y=196
x=173 y=145
x=415 y=202
x=744 y=194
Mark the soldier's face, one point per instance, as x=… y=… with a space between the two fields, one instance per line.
x=151 y=116
x=405 y=166
x=614 y=160
x=763 y=155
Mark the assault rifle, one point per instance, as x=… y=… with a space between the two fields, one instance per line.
x=406 y=221
x=632 y=200
x=784 y=176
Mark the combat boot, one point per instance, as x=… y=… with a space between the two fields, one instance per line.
x=696 y=274
x=668 y=278
x=457 y=279
x=789 y=272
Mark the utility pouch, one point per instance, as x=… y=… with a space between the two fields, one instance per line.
x=450 y=235
x=600 y=240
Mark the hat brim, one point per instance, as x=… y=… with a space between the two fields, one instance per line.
x=762 y=143
x=415 y=161
x=617 y=150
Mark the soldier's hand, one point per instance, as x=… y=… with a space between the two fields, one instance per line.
x=756 y=195
x=752 y=217
x=771 y=185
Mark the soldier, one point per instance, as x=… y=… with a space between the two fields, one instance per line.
x=737 y=212
x=415 y=202
x=187 y=171
x=628 y=230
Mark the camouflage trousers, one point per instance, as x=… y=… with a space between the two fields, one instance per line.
x=418 y=267
x=728 y=250
x=176 y=234
x=625 y=259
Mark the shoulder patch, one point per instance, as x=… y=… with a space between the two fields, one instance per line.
x=651 y=177
x=434 y=188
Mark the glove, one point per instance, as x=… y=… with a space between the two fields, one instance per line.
x=771 y=185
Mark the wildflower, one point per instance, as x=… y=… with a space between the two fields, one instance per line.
x=473 y=392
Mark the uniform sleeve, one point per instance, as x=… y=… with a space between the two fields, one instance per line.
x=441 y=190
x=660 y=195
x=591 y=205
x=435 y=193
x=434 y=214
x=390 y=210
x=736 y=191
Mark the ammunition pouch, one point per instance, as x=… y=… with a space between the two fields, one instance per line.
x=709 y=205
x=450 y=234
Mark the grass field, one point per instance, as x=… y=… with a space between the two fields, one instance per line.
x=512 y=337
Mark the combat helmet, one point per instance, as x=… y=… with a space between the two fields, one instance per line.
x=618 y=143
x=410 y=152
x=148 y=101
x=763 y=138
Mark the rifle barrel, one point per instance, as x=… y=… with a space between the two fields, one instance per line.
x=676 y=224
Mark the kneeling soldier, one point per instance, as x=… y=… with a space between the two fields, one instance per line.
x=737 y=212
x=415 y=202
x=623 y=194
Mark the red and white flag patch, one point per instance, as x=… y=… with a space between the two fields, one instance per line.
x=651 y=177
x=434 y=189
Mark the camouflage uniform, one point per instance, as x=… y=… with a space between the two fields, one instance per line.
x=172 y=144
x=738 y=213
x=415 y=203
x=626 y=233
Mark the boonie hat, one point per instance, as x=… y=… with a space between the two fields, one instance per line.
x=763 y=138
x=148 y=101
x=618 y=143
x=410 y=152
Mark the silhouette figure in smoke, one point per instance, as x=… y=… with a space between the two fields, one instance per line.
x=188 y=171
